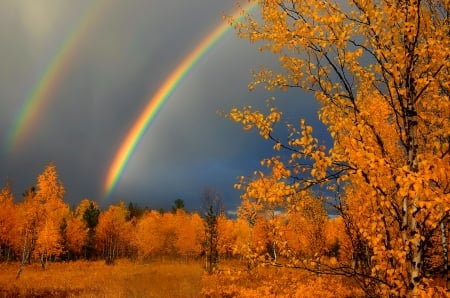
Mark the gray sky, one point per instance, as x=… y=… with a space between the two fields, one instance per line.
x=128 y=50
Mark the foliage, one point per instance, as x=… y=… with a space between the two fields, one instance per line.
x=189 y=233
x=112 y=232
x=41 y=215
x=8 y=222
x=148 y=238
x=76 y=232
x=297 y=236
x=275 y=282
x=380 y=72
x=89 y=212
x=49 y=203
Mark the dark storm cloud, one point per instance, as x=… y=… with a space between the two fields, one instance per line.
x=124 y=57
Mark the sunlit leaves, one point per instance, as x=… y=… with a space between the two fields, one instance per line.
x=380 y=72
x=49 y=211
x=113 y=231
x=190 y=233
x=254 y=119
x=8 y=220
x=148 y=238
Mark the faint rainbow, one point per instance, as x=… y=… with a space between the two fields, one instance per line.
x=156 y=100
x=42 y=91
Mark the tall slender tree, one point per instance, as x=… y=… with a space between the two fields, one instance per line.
x=49 y=198
x=30 y=216
x=89 y=212
x=212 y=209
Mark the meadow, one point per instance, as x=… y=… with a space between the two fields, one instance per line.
x=96 y=279
x=165 y=278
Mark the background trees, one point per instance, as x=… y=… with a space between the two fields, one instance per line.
x=8 y=222
x=40 y=218
x=148 y=237
x=89 y=212
x=380 y=72
x=189 y=234
x=111 y=234
x=48 y=201
x=75 y=233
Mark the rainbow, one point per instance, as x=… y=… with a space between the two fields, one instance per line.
x=42 y=91
x=156 y=101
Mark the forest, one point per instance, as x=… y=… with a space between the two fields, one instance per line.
x=380 y=72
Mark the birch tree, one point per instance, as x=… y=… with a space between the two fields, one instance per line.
x=49 y=201
x=380 y=73
x=212 y=209
x=30 y=216
x=111 y=232
x=8 y=222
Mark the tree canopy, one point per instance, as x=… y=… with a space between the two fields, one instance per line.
x=380 y=73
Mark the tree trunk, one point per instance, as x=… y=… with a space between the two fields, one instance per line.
x=445 y=250
x=410 y=231
x=25 y=255
x=43 y=260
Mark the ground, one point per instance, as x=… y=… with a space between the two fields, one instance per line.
x=95 y=279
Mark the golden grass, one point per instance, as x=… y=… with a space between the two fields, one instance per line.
x=95 y=279
x=268 y=281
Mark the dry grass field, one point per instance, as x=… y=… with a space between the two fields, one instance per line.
x=168 y=279
x=95 y=279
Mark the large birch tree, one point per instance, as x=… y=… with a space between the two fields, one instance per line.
x=380 y=73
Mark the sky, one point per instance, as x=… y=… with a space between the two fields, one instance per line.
x=75 y=76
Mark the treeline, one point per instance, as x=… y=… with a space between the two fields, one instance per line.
x=42 y=228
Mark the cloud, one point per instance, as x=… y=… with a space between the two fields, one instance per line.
x=123 y=58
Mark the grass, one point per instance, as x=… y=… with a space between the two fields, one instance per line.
x=169 y=278
x=95 y=279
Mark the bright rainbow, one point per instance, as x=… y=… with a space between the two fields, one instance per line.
x=156 y=101
x=42 y=91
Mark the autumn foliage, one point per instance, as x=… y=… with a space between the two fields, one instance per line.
x=42 y=228
x=380 y=72
x=267 y=250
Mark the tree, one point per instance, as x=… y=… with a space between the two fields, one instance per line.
x=112 y=232
x=89 y=212
x=189 y=233
x=41 y=216
x=227 y=237
x=380 y=73
x=169 y=234
x=263 y=204
x=29 y=215
x=148 y=237
x=8 y=221
x=308 y=224
x=177 y=204
x=49 y=197
x=135 y=211
x=212 y=209
x=76 y=235
x=242 y=234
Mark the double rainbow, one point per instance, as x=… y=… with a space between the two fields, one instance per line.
x=156 y=101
